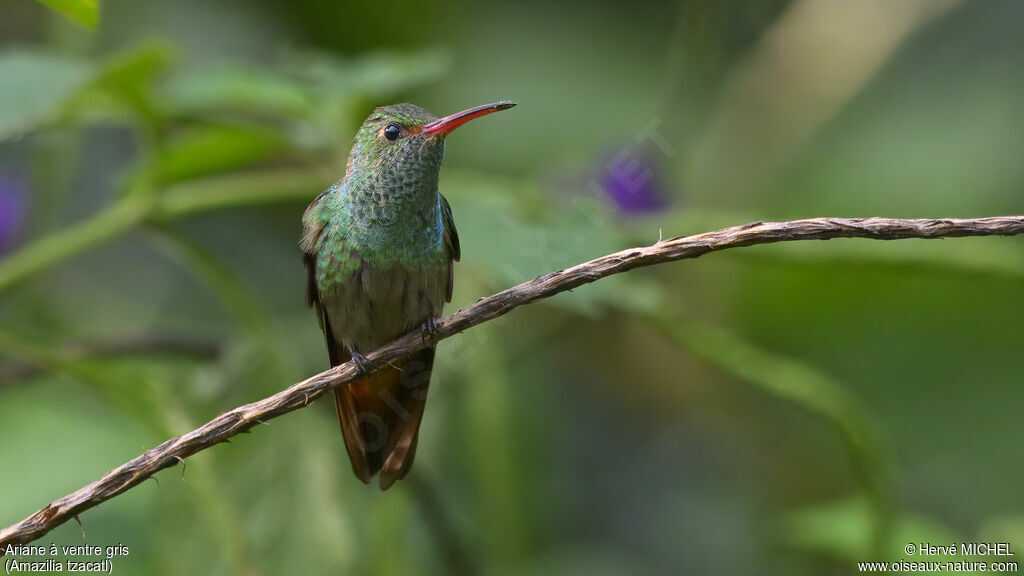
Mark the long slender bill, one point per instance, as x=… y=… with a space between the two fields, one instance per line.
x=445 y=126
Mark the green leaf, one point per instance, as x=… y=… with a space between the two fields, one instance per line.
x=128 y=71
x=235 y=88
x=35 y=86
x=123 y=85
x=842 y=530
x=315 y=95
x=253 y=188
x=376 y=74
x=85 y=13
x=40 y=89
x=209 y=149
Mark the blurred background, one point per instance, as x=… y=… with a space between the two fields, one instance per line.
x=783 y=409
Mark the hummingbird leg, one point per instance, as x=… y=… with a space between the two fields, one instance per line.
x=428 y=329
x=361 y=361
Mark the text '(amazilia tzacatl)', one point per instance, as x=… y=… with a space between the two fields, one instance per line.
x=379 y=247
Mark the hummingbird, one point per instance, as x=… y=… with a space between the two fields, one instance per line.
x=379 y=247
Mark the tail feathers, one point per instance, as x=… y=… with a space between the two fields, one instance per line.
x=362 y=464
x=380 y=418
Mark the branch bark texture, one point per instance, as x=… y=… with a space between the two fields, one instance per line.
x=242 y=418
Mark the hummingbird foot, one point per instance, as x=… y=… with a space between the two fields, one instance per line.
x=428 y=329
x=361 y=361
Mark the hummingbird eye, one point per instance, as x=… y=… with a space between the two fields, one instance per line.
x=392 y=132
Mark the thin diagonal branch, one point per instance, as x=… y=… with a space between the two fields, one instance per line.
x=240 y=419
x=135 y=346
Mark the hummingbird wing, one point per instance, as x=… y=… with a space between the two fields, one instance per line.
x=451 y=244
x=312 y=225
x=363 y=463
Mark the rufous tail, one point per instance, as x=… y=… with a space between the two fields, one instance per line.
x=380 y=416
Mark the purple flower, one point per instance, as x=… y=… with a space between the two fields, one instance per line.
x=13 y=207
x=630 y=178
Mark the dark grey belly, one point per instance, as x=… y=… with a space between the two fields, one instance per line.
x=376 y=306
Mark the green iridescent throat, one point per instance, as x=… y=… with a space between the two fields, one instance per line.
x=386 y=211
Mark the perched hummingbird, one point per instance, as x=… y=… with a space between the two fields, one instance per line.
x=378 y=247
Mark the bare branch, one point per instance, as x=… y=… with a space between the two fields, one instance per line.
x=223 y=427
x=140 y=345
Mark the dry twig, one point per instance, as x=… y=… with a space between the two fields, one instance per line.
x=221 y=428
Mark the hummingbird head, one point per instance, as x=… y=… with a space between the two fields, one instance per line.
x=403 y=144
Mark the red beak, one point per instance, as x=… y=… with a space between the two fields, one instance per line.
x=445 y=126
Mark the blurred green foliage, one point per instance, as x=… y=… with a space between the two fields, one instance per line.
x=85 y=13
x=786 y=409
